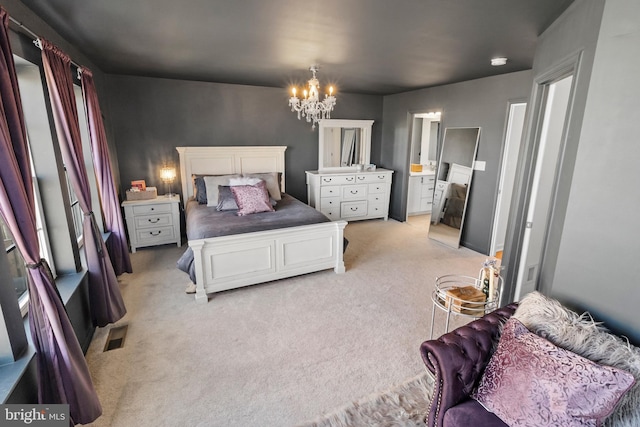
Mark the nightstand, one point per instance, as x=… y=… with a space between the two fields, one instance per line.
x=153 y=222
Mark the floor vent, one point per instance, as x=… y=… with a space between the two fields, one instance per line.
x=115 y=339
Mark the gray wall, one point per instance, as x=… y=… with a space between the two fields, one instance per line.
x=152 y=116
x=483 y=103
x=597 y=267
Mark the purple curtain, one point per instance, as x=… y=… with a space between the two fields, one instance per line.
x=118 y=249
x=106 y=301
x=63 y=375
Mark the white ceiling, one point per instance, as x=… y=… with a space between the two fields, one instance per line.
x=362 y=46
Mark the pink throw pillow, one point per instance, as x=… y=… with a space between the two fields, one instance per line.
x=529 y=382
x=252 y=198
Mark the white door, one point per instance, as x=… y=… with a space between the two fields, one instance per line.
x=543 y=186
x=513 y=137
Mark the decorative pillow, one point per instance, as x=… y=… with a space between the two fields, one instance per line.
x=244 y=180
x=226 y=201
x=529 y=382
x=272 y=179
x=252 y=198
x=580 y=334
x=212 y=182
x=200 y=190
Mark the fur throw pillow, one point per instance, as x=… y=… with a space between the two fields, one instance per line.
x=580 y=334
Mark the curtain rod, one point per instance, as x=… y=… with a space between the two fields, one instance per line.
x=36 y=40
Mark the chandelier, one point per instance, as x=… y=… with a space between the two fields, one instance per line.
x=310 y=105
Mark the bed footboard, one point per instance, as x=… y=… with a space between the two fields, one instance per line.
x=230 y=262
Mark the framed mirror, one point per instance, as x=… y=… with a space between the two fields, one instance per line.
x=343 y=144
x=453 y=181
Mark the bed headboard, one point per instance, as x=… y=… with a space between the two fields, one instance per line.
x=228 y=160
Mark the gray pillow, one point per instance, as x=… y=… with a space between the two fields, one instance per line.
x=201 y=190
x=226 y=201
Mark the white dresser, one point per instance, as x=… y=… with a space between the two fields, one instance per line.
x=153 y=222
x=350 y=195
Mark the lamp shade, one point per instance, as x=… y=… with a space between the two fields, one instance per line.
x=167 y=174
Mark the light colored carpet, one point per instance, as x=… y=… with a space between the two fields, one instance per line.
x=275 y=354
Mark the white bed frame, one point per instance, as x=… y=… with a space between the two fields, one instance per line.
x=230 y=262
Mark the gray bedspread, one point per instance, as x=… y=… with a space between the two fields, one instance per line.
x=204 y=222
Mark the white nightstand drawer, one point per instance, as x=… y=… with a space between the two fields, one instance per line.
x=153 y=236
x=372 y=177
x=350 y=209
x=354 y=192
x=329 y=202
x=151 y=208
x=151 y=221
x=330 y=191
x=338 y=180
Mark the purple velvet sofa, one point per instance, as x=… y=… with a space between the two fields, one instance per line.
x=457 y=361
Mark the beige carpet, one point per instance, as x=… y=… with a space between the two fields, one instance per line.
x=276 y=354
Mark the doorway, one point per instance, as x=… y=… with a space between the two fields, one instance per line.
x=550 y=145
x=513 y=137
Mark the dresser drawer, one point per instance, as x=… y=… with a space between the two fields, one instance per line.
x=330 y=191
x=329 y=202
x=427 y=190
x=377 y=198
x=151 y=221
x=373 y=177
x=151 y=209
x=152 y=236
x=354 y=192
x=351 y=209
x=332 y=213
x=378 y=188
x=377 y=209
x=338 y=180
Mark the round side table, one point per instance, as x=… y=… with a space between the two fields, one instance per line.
x=465 y=304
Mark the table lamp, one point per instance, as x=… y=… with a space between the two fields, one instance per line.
x=168 y=175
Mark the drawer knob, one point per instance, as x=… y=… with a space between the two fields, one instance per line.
x=154 y=221
x=354 y=209
x=354 y=191
x=153 y=209
x=155 y=233
x=361 y=178
x=350 y=178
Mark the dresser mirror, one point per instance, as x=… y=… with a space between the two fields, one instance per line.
x=453 y=181
x=343 y=144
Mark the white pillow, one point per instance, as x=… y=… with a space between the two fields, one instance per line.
x=211 y=183
x=272 y=181
x=245 y=180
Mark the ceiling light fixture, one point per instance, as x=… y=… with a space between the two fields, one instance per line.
x=496 y=62
x=310 y=105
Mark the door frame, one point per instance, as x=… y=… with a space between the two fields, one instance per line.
x=527 y=159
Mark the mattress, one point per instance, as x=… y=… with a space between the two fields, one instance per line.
x=204 y=221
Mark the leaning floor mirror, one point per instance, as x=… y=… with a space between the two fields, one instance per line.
x=453 y=181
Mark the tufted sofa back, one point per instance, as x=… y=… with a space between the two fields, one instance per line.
x=458 y=358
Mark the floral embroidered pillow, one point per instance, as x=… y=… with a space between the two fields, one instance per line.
x=252 y=198
x=529 y=382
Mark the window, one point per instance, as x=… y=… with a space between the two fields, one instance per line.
x=76 y=211
x=17 y=269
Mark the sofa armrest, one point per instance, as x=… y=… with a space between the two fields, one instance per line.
x=458 y=358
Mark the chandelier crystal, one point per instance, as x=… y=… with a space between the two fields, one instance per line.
x=310 y=105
